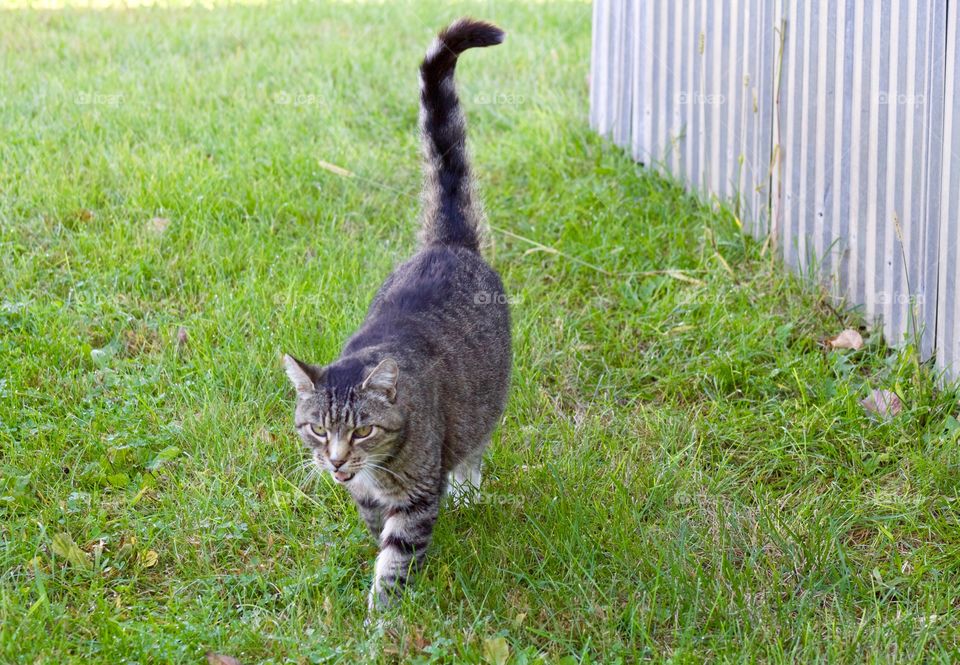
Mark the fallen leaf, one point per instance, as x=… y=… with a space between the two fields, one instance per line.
x=220 y=659
x=848 y=339
x=159 y=224
x=127 y=549
x=149 y=558
x=496 y=651
x=64 y=546
x=883 y=403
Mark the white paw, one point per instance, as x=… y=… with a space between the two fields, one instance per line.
x=463 y=489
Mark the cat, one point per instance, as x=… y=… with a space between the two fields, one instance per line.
x=411 y=403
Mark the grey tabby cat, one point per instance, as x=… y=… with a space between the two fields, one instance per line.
x=417 y=391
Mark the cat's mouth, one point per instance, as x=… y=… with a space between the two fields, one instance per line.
x=343 y=476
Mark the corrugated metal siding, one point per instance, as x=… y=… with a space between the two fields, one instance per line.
x=701 y=104
x=862 y=85
x=948 y=314
x=610 y=70
x=825 y=122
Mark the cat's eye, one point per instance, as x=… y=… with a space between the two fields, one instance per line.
x=363 y=432
x=319 y=431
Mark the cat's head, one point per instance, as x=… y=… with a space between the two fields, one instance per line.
x=347 y=414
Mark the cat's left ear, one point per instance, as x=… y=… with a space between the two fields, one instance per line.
x=383 y=378
x=303 y=376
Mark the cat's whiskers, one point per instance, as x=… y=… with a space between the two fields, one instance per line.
x=311 y=475
x=297 y=473
x=374 y=465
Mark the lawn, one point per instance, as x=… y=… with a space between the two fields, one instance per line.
x=683 y=471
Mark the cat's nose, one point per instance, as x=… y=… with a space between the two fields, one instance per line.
x=337 y=463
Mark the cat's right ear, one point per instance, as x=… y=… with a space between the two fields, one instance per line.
x=303 y=376
x=383 y=378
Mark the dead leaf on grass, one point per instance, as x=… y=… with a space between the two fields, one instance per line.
x=496 y=651
x=883 y=403
x=64 y=546
x=149 y=558
x=848 y=339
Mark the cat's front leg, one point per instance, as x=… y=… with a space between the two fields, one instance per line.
x=403 y=546
x=371 y=512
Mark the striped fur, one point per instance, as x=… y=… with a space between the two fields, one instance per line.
x=425 y=377
x=450 y=214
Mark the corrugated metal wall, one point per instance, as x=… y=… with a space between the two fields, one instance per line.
x=830 y=125
x=948 y=309
x=702 y=96
x=862 y=91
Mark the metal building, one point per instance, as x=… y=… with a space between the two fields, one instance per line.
x=832 y=125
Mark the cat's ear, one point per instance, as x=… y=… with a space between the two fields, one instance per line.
x=303 y=376
x=383 y=378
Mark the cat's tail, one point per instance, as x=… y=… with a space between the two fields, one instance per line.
x=450 y=215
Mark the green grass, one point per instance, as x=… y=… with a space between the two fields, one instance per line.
x=682 y=472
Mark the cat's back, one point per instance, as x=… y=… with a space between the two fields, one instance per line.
x=442 y=281
x=447 y=300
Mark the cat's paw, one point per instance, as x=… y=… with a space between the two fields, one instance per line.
x=379 y=599
x=462 y=491
x=378 y=602
x=376 y=621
